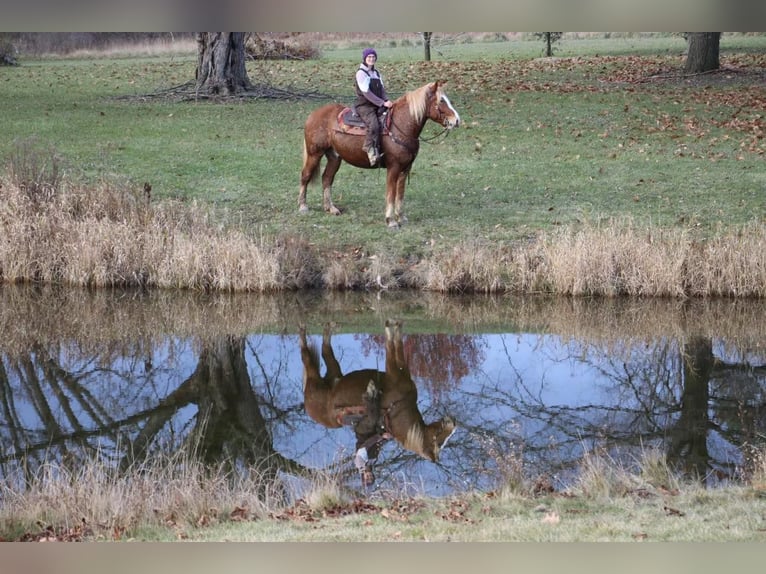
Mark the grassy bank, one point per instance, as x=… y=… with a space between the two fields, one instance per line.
x=181 y=500
x=104 y=236
x=597 y=172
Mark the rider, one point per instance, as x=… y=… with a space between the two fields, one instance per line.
x=371 y=102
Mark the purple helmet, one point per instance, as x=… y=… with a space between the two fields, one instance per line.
x=367 y=52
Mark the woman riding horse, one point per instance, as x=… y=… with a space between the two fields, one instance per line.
x=325 y=135
x=371 y=102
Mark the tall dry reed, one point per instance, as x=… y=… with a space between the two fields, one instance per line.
x=618 y=259
x=174 y=490
x=107 y=235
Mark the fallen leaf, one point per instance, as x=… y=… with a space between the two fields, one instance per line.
x=673 y=511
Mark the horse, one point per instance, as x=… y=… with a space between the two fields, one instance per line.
x=375 y=403
x=325 y=133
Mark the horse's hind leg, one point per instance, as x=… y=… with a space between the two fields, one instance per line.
x=333 y=164
x=308 y=173
x=310 y=360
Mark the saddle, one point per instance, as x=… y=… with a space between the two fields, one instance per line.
x=350 y=122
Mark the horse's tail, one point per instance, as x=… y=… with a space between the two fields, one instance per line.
x=315 y=170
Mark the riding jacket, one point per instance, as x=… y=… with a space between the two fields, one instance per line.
x=369 y=87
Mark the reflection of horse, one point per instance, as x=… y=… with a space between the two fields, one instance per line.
x=374 y=402
x=325 y=135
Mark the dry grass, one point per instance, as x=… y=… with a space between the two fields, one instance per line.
x=177 y=497
x=617 y=259
x=600 y=476
x=94 y=500
x=109 y=235
x=169 y=45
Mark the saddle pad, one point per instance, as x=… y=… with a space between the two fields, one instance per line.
x=352 y=123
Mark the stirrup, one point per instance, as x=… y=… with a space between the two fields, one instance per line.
x=372 y=156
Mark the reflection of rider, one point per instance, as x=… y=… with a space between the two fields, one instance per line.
x=370 y=434
x=371 y=102
x=366 y=454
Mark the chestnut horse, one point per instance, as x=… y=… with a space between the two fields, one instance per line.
x=372 y=401
x=323 y=135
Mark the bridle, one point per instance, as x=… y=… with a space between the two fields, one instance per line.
x=404 y=144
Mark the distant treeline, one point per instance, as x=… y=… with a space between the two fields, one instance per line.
x=37 y=43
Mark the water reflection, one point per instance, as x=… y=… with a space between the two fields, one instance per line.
x=129 y=376
x=377 y=405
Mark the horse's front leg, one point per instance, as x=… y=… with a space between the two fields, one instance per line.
x=333 y=367
x=399 y=202
x=333 y=164
x=395 y=362
x=392 y=179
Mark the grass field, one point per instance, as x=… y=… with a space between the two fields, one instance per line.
x=605 y=132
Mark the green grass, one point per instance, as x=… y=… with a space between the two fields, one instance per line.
x=545 y=144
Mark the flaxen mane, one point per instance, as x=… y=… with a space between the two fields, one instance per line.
x=416 y=101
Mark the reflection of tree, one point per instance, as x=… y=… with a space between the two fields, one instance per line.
x=132 y=401
x=688 y=437
x=72 y=420
x=439 y=360
x=678 y=395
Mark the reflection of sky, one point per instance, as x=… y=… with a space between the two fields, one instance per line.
x=545 y=366
x=532 y=369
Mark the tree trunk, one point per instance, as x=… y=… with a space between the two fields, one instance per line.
x=427 y=45
x=221 y=63
x=704 y=50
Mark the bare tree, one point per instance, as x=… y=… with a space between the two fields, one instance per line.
x=221 y=63
x=704 y=52
x=427 y=45
x=549 y=38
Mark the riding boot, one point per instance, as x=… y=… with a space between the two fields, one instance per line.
x=372 y=155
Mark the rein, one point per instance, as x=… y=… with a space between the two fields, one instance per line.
x=404 y=144
x=432 y=138
x=387 y=415
x=395 y=139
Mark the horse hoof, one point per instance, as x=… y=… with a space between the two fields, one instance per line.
x=303 y=209
x=393 y=224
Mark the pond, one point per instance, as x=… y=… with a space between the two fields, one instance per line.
x=531 y=383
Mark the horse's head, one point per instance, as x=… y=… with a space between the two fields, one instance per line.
x=435 y=436
x=441 y=110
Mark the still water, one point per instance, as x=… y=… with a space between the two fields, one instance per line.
x=530 y=383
